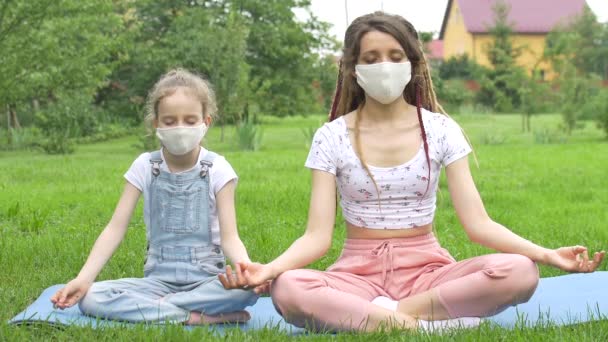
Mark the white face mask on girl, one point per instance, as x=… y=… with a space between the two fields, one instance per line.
x=384 y=82
x=181 y=140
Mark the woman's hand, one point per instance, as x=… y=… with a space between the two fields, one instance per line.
x=248 y=275
x=574 y=259
x=70 y=294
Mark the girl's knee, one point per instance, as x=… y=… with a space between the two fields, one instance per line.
x=243 y=298
x=89 y=304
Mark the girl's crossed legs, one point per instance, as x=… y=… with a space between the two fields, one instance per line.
x=152 y=300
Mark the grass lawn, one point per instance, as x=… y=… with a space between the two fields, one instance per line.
x=52 y=208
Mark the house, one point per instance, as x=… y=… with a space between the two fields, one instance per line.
x=466 y=24
x=434 y=52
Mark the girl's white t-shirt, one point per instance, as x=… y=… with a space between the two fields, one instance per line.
x=140 y=176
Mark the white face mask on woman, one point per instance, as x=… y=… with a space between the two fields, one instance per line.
x=384 y=82
x=181 y=140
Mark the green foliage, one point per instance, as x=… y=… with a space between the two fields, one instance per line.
x=281 y=53
x=71 y=116
x=249 y=135
x=258 y=56
x=536 y=97
x=308 y=133
x=425 y=37
x=582 y=42
x=549 y=136
x=500 y=85
x=492 y=138
x=19 y=138
x=49 y=47
x=576 y=92
x=197 y=33
x=146 y=139
x=473 y=107
x=597 y=108
x=324 y=86
x=578 y=50
x=460 y=67
x=454 y=93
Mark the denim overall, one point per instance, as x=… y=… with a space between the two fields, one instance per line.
x=182 y=264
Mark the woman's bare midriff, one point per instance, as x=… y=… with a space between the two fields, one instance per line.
x=355 y=232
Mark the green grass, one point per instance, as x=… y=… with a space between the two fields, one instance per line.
x=53 y=207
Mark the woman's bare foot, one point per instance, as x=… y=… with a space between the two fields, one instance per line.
x=197 y=318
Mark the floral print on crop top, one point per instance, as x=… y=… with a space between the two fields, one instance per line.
x=402 y=198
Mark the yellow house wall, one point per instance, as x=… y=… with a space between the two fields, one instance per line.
x=458 y=41
x=532 y=51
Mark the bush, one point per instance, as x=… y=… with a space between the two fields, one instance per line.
x=57 y=143
x=17 y=139
x=547 y=136
x=597 y=109
x=308 y=133
x=249 y=135
x=473 y=108
x=75 y=119
x=460 y=67
x=70 y=116
x=453 y=93
x=147 y=140
x=492 y=139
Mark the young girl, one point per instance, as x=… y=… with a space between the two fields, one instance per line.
x=384 y=149
x=190 y=218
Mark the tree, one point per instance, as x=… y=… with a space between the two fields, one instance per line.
x=578 y=51
x=256 y=53
x=500 y=85
x=54 y=46
x=283 y=53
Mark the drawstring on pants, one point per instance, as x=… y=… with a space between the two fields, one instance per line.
x=385 y=250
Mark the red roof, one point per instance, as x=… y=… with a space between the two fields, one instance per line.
x=435 y=49
x=527 y=16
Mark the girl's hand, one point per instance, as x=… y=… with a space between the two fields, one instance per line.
x=233 y=279
x=71 y=294
x=574 y=259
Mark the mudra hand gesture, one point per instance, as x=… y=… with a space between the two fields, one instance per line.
x=246 y=276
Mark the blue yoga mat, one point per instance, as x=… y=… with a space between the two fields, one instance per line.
x=563 y=300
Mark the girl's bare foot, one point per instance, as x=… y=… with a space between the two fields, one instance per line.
x=197 y=318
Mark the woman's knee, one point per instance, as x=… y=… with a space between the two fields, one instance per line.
x=525 y=277
x=287 y=289
x=517 y=274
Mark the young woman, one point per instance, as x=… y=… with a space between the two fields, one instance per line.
x=383 y=149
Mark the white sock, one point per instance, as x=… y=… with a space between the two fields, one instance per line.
x=432 y=326
x=448 y=324
x=386 y=303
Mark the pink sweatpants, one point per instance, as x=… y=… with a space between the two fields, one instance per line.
x=398 y=268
